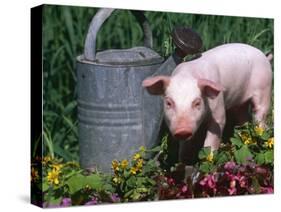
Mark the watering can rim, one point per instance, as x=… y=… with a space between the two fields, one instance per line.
x=81 y=59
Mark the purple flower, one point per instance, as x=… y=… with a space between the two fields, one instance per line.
x=93 y=201
x=229 y=165
x=66 y=202
x=115 y=198
x=249 y=158
x=261 y=170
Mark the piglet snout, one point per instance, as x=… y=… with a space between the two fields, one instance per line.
x=183 y=134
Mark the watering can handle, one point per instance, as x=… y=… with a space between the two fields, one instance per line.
x=99 y=19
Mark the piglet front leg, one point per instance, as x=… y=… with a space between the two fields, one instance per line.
x=216 y=123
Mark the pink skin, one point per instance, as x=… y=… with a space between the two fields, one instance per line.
x=229 y=77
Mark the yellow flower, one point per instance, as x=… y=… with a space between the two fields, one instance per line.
x=246 y=138
x=116 y=180
x=87 y=188
x=248 y=141
x=124 y=164
x=210 y=157
x=115 y=165
x=133 y=170
x=142 y=148
x=53 y=177
x=34 y=174
x=57 y=166
x=139 y=164
x=137 y=156
x=46 y=160
x=259 y=130
x=269 y=143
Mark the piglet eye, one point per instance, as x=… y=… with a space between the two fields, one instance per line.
x=196 y=103
x=169 y=103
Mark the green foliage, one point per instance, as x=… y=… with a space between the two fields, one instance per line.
x=67 y=180
x=242 y=154
x=250 y=142
x=243 y=166
x=80 y=181
x=135 y=180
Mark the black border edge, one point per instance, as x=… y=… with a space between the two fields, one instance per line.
x=36 y=61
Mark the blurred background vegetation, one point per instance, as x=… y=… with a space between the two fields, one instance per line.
x=64 y=31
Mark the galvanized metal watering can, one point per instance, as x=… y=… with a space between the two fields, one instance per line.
x=116 y=115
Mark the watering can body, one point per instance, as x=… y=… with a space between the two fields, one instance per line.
x=116 y=116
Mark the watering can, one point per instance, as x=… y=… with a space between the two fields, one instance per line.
x=116 y=115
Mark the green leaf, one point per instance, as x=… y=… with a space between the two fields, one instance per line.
x=155 y=149
x=152 y=182
x=204 y=152
x=142 y=190
x=79 y=181
x=236 y=141
x=256 y=185
x=222 y=158
x=128 y=194
x=140 y=181
x=241 y=155
x=136 y=195
x=265 y=136
x=70 y=107
x=54 y=200
x=205 y=167
x=268 y=157
x=131 y=182
x=109 y=187
x=149 y=167
x=49 y=142
x=260 y=158
x=45 y=186
x=72 y=126
x=126 y=173
x=62 y=153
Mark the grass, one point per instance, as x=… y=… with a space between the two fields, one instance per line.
x=64 y=31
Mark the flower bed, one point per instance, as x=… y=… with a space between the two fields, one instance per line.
x=243 y=166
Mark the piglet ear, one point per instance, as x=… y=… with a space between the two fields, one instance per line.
x=156 y=85
x=209 y=88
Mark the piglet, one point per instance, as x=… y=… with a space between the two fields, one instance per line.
x=230 y=77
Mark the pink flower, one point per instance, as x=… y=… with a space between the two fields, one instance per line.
x=208 y=181
x=171 y=181
x=184 y=189
x=232 y=187
x=242 y=181
x=267 y=190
